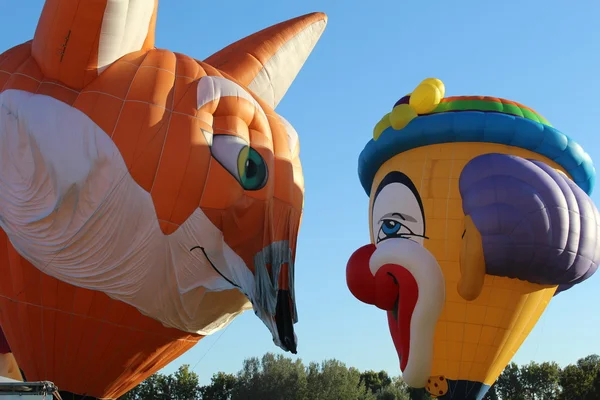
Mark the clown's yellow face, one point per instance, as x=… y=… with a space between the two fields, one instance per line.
x=417 y=222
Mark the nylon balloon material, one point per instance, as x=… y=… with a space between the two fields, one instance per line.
x=479 y=214
x=146 y=198
x=8 y=364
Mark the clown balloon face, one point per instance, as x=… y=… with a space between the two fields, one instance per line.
x=478 y=217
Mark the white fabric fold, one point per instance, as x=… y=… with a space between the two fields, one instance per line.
x=69 y=206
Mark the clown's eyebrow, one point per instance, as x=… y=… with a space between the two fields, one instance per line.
x=399 y=177
x=404 y=217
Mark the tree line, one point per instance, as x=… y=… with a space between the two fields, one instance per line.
x=276 y=377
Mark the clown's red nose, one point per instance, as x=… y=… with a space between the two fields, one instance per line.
x=380 y=290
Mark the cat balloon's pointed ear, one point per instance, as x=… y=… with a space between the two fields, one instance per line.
x=268 y=61
x=75 y=40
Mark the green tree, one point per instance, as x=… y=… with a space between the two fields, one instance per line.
x=508 y=386
x=277 y=377
x=540 y=381
x=271 y=378
x=596 y=387
x=577 y=381
x=418 y=394
x=491 y=394
x=332 y=380
x=221 y=387
x=375 y=381
x=150 y=389
x=183 y=385
x=397 y=390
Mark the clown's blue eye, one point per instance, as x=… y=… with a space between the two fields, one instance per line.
x=390 y=227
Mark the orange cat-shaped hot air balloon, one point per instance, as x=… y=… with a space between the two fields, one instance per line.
x=146 y=198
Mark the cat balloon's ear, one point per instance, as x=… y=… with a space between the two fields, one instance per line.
x=75 y=40
x=268 y=61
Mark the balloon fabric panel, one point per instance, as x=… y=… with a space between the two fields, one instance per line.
x=514 y=200
x=78 y=336
x=479 y=214
x=162 y=194
x=4 y=347
x=8 y=364
x=473 y=340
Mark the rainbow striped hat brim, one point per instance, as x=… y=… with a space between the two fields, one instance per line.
x=479 y=119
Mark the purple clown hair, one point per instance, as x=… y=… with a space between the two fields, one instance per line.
x=536 y=224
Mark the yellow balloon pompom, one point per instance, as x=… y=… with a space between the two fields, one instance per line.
x=437 y=83
x=425 y=98
x=401 y=115
x=381 y=126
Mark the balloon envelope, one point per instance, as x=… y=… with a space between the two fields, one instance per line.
x=8 y=364
x=147 y=198
x=479 y=214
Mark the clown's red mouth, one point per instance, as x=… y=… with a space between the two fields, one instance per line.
x=401 y=314
x=403 y=278
x=393 y=289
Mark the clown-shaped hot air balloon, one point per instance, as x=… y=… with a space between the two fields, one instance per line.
x=479 y=214
x=146 y=198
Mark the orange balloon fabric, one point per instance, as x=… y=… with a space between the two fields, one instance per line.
x=8 y=364
x=147 y=198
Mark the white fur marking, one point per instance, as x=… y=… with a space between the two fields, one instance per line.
x=292 y=136
x=124 y=29
x=276 y=76
x=212 y=88
x=69 y=206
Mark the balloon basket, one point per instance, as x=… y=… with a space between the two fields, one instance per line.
x=11 y=389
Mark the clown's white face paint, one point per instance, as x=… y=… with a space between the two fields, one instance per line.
x=398 y=231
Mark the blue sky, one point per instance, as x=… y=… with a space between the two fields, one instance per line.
x=544 y=54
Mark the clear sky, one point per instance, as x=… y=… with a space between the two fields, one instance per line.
x=542 y=53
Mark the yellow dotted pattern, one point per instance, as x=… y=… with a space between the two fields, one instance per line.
x=474 y=340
